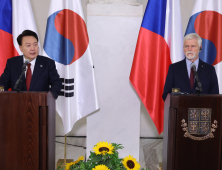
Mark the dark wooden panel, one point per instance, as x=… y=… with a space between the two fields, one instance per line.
x=191 y=154
x=171 y=138
x=43 y=137
x=19 y=122
x=51 y=131
x=43 y=99
x=27 y=131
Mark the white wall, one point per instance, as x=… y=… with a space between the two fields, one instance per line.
x=113 y=31
x=40 y=9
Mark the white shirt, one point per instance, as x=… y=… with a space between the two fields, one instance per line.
x=32 y=65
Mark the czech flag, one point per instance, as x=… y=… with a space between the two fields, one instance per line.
x=159 y=44
x=15 y=17
x=206 y=21
x=7 y=49
x=67 y=42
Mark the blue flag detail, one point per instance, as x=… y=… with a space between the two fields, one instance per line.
x=6 y=16
x=209 y=52
x=155 y=16
x=57 y=46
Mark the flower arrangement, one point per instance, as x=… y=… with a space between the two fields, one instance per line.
x=105 y=156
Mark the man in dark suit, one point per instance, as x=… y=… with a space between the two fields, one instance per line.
x=180 y=74
x=41 y=73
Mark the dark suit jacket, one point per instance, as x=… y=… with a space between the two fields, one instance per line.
x=44 y=74
x=177 y=77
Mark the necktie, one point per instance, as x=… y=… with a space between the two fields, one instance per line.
x=191 y=78
x=28 y=77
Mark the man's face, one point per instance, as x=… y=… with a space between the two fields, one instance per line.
x=29 y=47
x=191 y=49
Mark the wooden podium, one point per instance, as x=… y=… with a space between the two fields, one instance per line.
x=193 y=135
x=27 y=131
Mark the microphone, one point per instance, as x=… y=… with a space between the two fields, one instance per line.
x=199 y=88
x=25 y=64
x=193 y=66
x=16 y=86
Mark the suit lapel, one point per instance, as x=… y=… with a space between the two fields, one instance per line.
x=201 y=67
x=36 y=73
x=185 y=73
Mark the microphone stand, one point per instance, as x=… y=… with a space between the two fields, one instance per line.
x=16 y=87
x=198 y=89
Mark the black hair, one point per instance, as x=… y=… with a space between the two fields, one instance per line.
x=26 y=33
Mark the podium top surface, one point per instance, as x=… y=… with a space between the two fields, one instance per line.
x=196 y=95
x=30 y=92
x=202 y=99
x=43 y=97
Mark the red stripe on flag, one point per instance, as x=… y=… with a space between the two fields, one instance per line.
x=7 y=49
x=149 y=71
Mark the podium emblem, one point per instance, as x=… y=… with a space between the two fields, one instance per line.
x=199 y=123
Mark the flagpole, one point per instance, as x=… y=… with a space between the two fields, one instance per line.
x=62 y=162
x=65 y=151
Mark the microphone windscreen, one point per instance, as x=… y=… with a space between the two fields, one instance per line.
x=27 y=61
x=193 y=66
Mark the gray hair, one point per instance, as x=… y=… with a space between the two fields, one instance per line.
x=193 y=36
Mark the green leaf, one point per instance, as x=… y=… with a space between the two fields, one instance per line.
x=60 y=168
x=112 y=161
x=96 y=158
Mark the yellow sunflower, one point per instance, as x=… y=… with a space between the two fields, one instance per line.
x=101 y=167
x=103 y=147
x=68 y=165
x=130 y=163
x=73 y=163
x=81 y=158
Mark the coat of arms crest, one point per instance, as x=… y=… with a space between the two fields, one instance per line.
x=199 y=123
